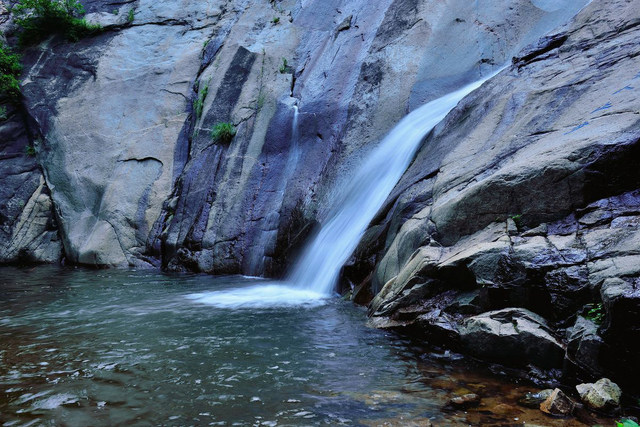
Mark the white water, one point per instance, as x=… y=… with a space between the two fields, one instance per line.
x=315 y=275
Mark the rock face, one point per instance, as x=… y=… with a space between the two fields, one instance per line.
x=525 y=199
x=122 y=121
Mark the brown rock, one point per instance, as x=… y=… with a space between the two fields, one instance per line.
x=558 y=404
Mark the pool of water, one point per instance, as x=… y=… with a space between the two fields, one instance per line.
x=86 y=347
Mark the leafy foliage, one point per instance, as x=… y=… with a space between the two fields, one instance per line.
x=198 y=104
x=275 y=20
x=38 y=19
x=284 y=67
x=518 y=220
x=595 y=313
x=9 y=72
x=30 y=151
x=223 y=132
x=131 y=16
x=626 y=423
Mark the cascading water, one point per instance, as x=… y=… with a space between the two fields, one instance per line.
x=314 y=276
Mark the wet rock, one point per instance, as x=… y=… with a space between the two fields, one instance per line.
x=465 y=401
x=603 y=394
x=620 y=330
x=533 y=400
x=584 y=345
x=512 y=336
x=557 y=404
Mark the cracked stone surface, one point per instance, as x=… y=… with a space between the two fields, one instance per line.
x=526 y=197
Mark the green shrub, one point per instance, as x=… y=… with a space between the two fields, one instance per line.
x=595 y=313
x=30 y=151
x=131 y=16
x=9 y=72
x=38 y=19
x=198 y=103
x=223 y=133
x=284 y=67
x=517 y=219
x=275 y=20
x=626 y=423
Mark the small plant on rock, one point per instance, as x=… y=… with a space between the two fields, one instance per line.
x=284 y=67
x=595 y=313
x=275 y=20
x=30 y=151
x=198 y=103
x=223 y=133
x=517 y=219
x=131 y=16
x=38 y=19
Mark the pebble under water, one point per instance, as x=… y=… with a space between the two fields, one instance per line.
x=86 y=347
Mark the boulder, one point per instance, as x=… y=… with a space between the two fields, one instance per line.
x=603 y=394
x=513 y=336
x=584 y=345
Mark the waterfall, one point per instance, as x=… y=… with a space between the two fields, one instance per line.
x=364 y=194
x=315 y=274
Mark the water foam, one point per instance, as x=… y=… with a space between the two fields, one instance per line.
x=273 y=295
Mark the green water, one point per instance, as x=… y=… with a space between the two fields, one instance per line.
x=85 y=347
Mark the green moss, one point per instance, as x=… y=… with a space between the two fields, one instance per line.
x=38 y=19
x=9 y=72
x=275 y=20
x=131 y=16
x=223 y=132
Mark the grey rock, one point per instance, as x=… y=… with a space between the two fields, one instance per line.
x=553 y=149
x=584 y=345
x=512 y=336
x=603 y=394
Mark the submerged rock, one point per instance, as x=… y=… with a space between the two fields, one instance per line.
x=468 y=400
x=603 y=394
x=533 y=400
